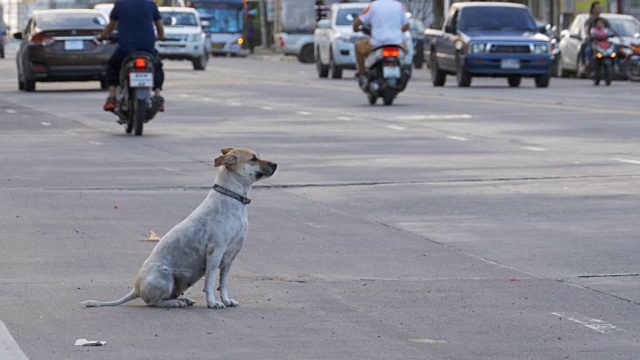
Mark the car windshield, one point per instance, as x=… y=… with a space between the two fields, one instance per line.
x=496 y=19
x=221 y=19
x=178 y=19
x=70 y=20
x=345 y=17
x=625 y=27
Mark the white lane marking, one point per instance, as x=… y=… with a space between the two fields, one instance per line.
x=11 y=111
x=626 y=161
x=532 y=148
x=9 y=349
x=184 y=95
x=95 y=143
x=434 y=117
x=45 y=123
x=344 y=118
x=593 y=324
x=236 y=104
x=268 y=108
x=394 y=127
x=305 y=113
x=428 y=341
x=457 y=138
x=207 y=99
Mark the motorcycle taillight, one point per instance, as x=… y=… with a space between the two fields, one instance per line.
x=390 y=52
x=140 y=63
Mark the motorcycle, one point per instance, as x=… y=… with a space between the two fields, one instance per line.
x=135 y=103
x=604 y=56
x=388 y=76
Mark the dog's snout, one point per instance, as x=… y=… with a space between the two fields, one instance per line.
x=273 y=166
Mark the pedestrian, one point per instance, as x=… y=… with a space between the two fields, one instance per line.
x=251 y=37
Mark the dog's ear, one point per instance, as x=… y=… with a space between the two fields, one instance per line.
x=225 y=151
x=227 y=160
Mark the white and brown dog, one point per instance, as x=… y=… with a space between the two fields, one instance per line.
x=207 y=240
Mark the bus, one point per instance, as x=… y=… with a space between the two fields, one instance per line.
x=222 y=21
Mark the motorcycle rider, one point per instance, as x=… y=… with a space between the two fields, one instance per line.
x=388 y=22
x=134 y=20
x=585 y=49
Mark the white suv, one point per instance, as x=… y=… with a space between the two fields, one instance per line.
x=186 y=40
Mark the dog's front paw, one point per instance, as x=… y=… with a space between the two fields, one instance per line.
x=231 y=303
x=215 y=305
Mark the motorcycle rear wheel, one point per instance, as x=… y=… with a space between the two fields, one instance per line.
x=633 y=70
x=139 y=115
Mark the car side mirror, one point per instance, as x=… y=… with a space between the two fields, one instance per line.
x=205 y=23
x=17 y=36
x=324 y=24
x=636 y=35
x=564 y=33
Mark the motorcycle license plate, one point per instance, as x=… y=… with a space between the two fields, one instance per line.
x=391 y=72
x=510 y=64
x=140 y=80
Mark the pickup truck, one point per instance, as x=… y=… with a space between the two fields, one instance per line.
x=488 y=39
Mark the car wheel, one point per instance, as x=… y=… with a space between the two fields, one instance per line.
x=306 y=54
x=462 y=75
x=438 y=77
x=30 y=85
x=542 y=81
x=336 y=71
x=20 y=84
x=559 y=71
x=514 y=80
x=200 y=63
x=323 y=70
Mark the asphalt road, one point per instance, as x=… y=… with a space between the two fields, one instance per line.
x=479 y=223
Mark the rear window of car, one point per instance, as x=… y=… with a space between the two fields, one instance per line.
x=178 y=19
x=345 y=17
x=489 y=18
x=70 y=20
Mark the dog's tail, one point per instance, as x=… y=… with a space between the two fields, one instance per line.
x=130 y=296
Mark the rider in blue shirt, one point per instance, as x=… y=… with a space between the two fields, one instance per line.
x=134 y=20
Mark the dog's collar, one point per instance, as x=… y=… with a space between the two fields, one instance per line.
x=224 y=191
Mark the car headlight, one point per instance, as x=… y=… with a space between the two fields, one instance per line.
x=477 y=48
x=345 y=37
x=540 y=48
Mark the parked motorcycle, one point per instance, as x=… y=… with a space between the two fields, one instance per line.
x=604 y=56
x=388 y=76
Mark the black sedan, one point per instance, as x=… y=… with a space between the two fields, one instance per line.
x=58 y=45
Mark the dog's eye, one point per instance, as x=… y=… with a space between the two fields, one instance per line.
x=254 y=158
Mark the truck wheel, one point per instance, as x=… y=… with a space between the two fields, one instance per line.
x=542 y=81
x=438 y=77
x=462 y=76
x=557 y=66
x=323 y=70
x=336 y=71
x=30 y=85
x=306 y=54
x=514 y=80
x=20 y=84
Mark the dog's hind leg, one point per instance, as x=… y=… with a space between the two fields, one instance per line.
x=175 y=303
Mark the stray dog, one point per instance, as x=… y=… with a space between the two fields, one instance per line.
x=207 y=240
